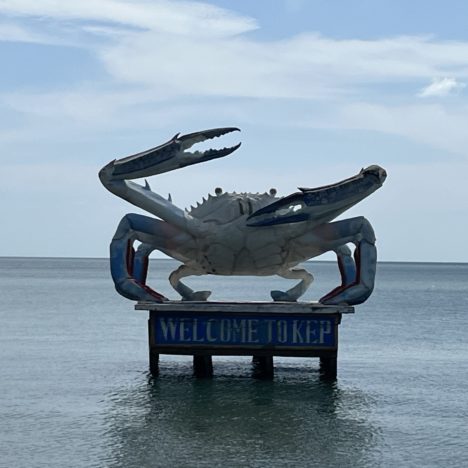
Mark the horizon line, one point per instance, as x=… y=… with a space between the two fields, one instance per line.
x=174 y=260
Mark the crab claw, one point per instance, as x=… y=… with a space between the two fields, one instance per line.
x=322 y=203
x=288 y=209
x=171 y=155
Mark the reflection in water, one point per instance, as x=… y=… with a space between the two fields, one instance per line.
x=235 y=420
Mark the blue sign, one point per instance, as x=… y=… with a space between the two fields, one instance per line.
x=237 y=330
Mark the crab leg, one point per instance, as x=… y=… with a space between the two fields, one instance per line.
x=128 y=268
x=358 y=231
x=297 y=291
x=187 y=293
x=140 y=262
x=360 y=290
x=346 y=265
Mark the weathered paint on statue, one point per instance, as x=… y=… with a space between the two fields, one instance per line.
x=238 y=233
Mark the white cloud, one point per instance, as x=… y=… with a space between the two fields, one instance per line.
x=441 y=87
x=12 y=32
x=160 y=51
x=82 y=105
x=433 y=125
x=193 y=48
x=308 y=66
x=181 y=17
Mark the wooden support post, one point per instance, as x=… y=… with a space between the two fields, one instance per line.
x=154 y=363
x=202 y=365
x=263 y=367
x=153 y=355
x=328 y=367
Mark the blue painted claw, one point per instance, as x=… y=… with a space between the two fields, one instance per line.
x=171 y=155
x=288 y=209
x=322 y=203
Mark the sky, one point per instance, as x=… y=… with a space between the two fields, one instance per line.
x=319 y=88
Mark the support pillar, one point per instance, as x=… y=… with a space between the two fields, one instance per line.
x=328 y=367
x=154 y=363
x=153 y=355
x=263 y=367
x=202 y=365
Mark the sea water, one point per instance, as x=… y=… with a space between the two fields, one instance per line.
x=75 y=389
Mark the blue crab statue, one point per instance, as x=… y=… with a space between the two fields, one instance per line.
x=238 y=233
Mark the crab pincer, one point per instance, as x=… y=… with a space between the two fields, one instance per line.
x=171 y=155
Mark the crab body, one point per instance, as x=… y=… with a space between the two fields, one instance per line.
x=238 y=233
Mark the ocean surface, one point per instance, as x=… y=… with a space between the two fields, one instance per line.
x=75 y=389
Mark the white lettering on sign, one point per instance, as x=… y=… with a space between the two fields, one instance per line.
x=184 y=331
x=293 y=331
x=325 y=329
x=253 y=331
x=311 y=330
x=209 y=330
x=238 y=330
x=168 y=328
x=195 y=336
x=282 y=331
x=297 y=332
x=225 y=330
x=269 y=327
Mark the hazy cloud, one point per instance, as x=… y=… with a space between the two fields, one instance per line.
x=441 y=87
x=181 y=17
x=192 y=48
x=12 y=32
x=308 y=66
x=433 y=125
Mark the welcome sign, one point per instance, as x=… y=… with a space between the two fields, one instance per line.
x=248 y=330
